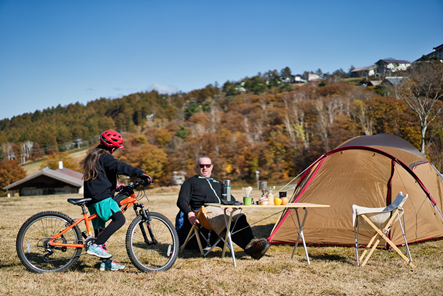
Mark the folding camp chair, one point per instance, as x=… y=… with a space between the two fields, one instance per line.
x=381 y=220
x=196 y=230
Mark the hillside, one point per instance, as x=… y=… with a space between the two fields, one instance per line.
x=256 y=124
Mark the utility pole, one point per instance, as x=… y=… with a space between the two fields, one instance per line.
x=256 y=176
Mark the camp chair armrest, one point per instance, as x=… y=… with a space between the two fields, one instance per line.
x=202 y=217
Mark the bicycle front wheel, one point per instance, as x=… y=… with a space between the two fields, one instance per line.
x=154 y=250
x=32 y=243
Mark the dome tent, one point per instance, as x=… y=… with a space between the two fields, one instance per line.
x=367 y=171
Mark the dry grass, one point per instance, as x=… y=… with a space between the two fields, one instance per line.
x=332 y=270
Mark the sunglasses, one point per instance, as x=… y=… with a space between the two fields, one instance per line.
x=205 y=165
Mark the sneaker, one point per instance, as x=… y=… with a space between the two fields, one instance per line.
x=111 y=265
x=99 y=251
x=257 y=248
x=251 y=247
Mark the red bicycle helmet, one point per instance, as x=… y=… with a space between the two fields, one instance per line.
x=111 y=139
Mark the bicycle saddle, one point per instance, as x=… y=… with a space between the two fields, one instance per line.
x=79 y=201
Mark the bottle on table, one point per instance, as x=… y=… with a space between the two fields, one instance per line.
x=270 y=196
x=228 y=189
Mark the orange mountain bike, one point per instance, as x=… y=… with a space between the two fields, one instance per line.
x=51 y=241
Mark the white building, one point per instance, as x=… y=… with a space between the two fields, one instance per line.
x=387 y=67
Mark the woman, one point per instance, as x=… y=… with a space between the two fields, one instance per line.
x=100 y=172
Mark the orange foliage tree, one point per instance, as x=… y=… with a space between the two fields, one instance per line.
x=147 y=157
x=246 y=126
x=52 y=161
x=10 y=172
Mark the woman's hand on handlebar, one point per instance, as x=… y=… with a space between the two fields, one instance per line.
x=148 y=180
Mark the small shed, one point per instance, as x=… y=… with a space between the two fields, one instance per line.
x=47 y=181
x=374 y=82
x=178 y=178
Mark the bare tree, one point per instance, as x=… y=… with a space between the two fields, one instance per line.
x=295 y=119
x=8 y=149
x=360 y=112
x=322 y=122
x=29 y=145
x=422 y=88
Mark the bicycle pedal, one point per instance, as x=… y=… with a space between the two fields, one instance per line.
x=89 y=241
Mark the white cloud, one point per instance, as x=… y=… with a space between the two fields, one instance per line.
x=169 y=89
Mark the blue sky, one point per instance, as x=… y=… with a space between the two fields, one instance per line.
x=63 y=52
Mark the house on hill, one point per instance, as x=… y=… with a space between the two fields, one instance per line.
x=312 y=77
x=362 y=72
x=47 y=181
x=436 y=54
x=387 y=67
x=299 y=78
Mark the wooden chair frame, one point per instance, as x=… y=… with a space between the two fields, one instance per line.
x=195 y=231
x=396 y=214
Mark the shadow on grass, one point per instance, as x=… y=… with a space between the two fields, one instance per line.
x=195 y=253
x=83 y=267
x=3 y=265
x=262 y=230
x=329 y=257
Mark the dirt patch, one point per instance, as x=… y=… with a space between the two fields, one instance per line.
x=169 y=189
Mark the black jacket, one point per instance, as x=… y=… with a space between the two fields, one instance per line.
x=104 y=185
x=198 y=190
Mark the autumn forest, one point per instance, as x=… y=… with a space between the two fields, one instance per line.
x=258 y=123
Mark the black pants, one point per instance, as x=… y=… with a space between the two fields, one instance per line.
x=242 y=238
x=118 y=220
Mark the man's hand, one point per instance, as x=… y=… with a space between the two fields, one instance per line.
x=192 y=218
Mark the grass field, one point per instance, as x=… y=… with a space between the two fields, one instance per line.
x=332 y=270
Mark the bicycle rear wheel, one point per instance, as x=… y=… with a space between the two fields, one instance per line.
x=32 y=247
x=157 y=253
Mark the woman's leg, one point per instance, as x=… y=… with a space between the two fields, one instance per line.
x=118 y=220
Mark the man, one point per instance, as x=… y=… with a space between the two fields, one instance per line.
x=201 y=189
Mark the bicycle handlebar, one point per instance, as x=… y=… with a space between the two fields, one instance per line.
x=133 y=185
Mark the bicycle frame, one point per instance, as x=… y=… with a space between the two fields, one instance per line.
x=130 y=201
x=85 y=218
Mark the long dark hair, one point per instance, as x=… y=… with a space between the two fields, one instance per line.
x=89 y=164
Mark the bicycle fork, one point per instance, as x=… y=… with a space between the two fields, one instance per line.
x=142 y=212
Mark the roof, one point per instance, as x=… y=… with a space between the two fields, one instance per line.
x=374 y=82
x=364 y=68
x=393 y=80
x=438 y=47
x=395 y=61
x=70 y=173
x=52 y=174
